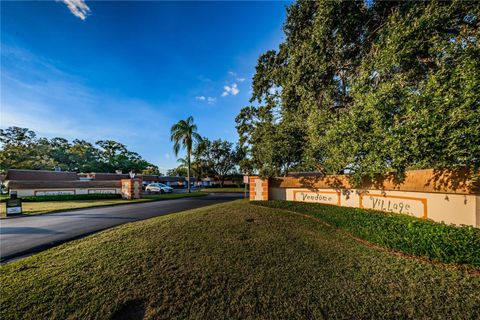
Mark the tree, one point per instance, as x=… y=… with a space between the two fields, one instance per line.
x=21 y=149
x=184 y=134
x=17 y=147
x=84 y=156
x=367 y=88
x=220 y=157
x=179 y=171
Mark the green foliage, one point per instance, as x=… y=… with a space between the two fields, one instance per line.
x=184 y=135
x=21 y=149
x=180 y=171
x=66 y=197
x=367 y=88
x=445 y=243
x=217 y=157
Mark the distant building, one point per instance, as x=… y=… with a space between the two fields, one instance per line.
x=44 y=182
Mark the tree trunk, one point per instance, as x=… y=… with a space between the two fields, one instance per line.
x=188 y=172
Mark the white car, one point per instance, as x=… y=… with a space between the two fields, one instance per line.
x=158 y=188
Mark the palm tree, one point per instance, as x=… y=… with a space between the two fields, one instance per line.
x=183 y=134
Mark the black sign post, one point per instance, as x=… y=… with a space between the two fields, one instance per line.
x=14 y=207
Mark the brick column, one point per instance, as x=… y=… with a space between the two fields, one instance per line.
x=265 y=189
x=131 y=188
x=251 y=186
x=258 y=189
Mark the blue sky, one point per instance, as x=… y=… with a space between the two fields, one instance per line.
x=127 y=71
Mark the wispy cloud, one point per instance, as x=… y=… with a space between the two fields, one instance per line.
x=209 y=100
x=235 y=75
x=39 y=96
x=230 y=90
x=78 y=8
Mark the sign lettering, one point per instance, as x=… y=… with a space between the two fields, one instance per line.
x=54 y=192
x=410 y=206
x=319 y=197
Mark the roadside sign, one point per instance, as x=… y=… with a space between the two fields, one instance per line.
x=14 y=206
x=245 y=179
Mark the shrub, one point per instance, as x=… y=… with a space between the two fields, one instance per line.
x=66 y=197
x=438 y=241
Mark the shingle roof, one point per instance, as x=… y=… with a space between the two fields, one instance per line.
x=148 y=177
x=108 y=176
x=171 y=179
x=42 y=175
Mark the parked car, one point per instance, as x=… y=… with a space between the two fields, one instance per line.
x=158 y=188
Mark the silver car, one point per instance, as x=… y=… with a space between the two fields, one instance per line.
x=158 y=188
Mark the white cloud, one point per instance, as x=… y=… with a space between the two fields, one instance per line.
x=167 y=155
x=78 y=7
x=209 y=100
x=234 y=74
x=230 y=90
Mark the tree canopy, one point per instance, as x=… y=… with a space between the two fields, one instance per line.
x=367 y=88
x=21 y=149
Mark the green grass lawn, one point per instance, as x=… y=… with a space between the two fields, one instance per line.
x=232 y=260
x=225 y=190
x=32 y=208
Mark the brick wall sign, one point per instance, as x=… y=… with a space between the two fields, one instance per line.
x=102 y=191
x=328 y=197
x=428 y=194
x=413 y=206
x=54 y=192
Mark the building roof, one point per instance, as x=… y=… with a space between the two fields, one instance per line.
x=148 y=177
x=40 y=175
x=171 y=179
x=108 y=176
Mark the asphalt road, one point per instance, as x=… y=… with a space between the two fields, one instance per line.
x=29 y=234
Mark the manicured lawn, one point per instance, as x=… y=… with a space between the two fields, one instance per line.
x=400 y=232
x=232 y=260
x=225 y=190
x=55 y=206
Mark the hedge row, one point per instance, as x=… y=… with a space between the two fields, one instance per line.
x=66 y=197
x=438 y=241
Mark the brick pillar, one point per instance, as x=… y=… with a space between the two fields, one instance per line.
x=251 y=186
x=131 y=188
x=265 y=189
x=258 y=189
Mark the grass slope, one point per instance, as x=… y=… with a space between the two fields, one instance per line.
x=32 y=208
x=232 y=260
x=400 y=232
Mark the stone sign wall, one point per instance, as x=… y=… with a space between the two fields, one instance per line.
x=448 y=204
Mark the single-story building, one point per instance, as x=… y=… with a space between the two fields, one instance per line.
x=44 y=182
x=174 y=182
